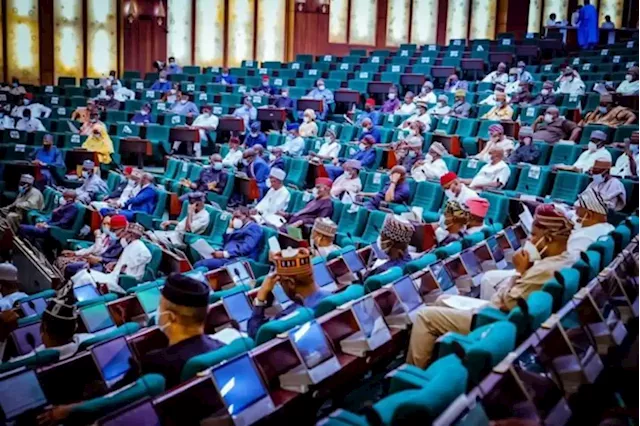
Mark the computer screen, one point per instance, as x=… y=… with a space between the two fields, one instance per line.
x=140 y=415
x=496 y=250
x=442 y=276
x=369 y=317
x=21 y=339
x=378 y=251
x=238 y=273
x=96 y=318
x=322 y=275
x=238 y=306
x=113 y=359
x=471 y=263
x=312 y=344
x=407 y=293
x=513 y=238
x=85 y=292
x=239 y=384
x=280 y=295
x=149 y=299
x=353 y=261
x=539 y=384
x=21 y=393
x=33 y=306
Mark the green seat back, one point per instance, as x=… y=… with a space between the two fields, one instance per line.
x=568 y=185
x=498 y=207
x=209 y=359
x=419 y=264
x=533 y=181
x=375 y=282
x=428 y=195
x=328 y=304
x=271 y=329
x=125 y=329
x=564 y=154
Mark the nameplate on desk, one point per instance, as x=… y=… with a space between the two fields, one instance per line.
x=375 y=60
x=139 y=85
x=242 y=89
x=150 y=94
x=202 y=96
x=277 y=82
x=506 y=42
x=548 y=67
x=395 y=68
x=344 y=66
x=479 y=48
x=14 y=134
x=48 y=89
x=456 y=42
x=54 y=100
x=312 y=72
x=217 y=110
x=328 y=58
x=616 y=59
x=529 y=36
x=19 y=148
x=263 y=71
x=363 y=74
x=534 y=172
x=454 y=54
x=295 y=66
x=127 y=129
x=604 y=52
x=472 y=164
x=161 y=106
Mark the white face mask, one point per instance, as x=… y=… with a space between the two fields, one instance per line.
x=441 y=104
x=392 y=96
x=306 y=119
x=602 y=109
x=272 y=157
x=183 y=101
x=124 y=242
x=449 y=193
x=544 y=92
x=628 y=77
x=320 y=86
x=362 y=146
x=592 y=147
x=62 y=201
x=598 y=179
x=548 y=118
x=143 y=112
x=532 y=251
x=314 y=192
x=157 y=315
x=428 y=158
x=441 y=234
x=85 y=175
x=237 y=223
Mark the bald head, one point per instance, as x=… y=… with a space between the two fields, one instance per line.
x=496 y=155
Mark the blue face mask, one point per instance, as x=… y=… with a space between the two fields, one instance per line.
x=245 y=162
x=633 y=149
x=217 y=166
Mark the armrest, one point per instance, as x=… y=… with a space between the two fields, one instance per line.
x=404 y=379
x=62 y=235
x=487 y=315
x=144 y=219
x=127 y=281
x=397 y=208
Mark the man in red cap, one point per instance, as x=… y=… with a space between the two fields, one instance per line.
x=369 y=112
x=456 y=190
x=265 y=88
x=535 y=263
x=319 y=205
x=478 y=208
x=37 y=109
x=128 y=188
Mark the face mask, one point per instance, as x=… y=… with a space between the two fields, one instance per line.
x=634 y=149
x=628 y=77
x=124 y=242
x=272 y=157
x=412 y=154
x=183 y=101
x=156 y=316
x=598 y=179
x=15 y=84
x=320 y=86
x=392 y=96
x=425 y=90
x=500 y=103
x=544 y=92
x=284 y=94
x=25 y=101
x=217 y=166
x=22 y=189
x=532 y=251
x=162 y=80
x=314 y=192
x=85 y=175
x=441 y=104
x=602 y=109
x=592 y=147
x=441 y=234
x=449 y=193
x=254 y=134
x=237 y=223
x=265 y=83
x=526 y=141
x=518 y=89
x=173 y=91
x=512 y=78
x=428 y=158
x=362 y=146
x=548 y=118
x=62 y=201
x=245 y=162
x=306 y=119
x=496 y=94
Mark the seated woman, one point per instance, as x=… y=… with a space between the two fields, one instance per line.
x=308 y=128
x=394 y=240
x=395 y=191
x=99 y=142
x=329 y=149
x=453 y=228
x=322 y=235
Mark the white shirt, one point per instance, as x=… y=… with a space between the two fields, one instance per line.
x=135 y=257
x=199 y=223
x=491 y=173
x=438 y=110
x=7 y=302
x=129 y=191
x=465 y=194
x=622 y=167
x=30 y=125
x=346 y=186
x=574 y=18
x=37 y=110
x=425 y=118
x=97 y=248
x=573 y=87
x=628 y=87
x=232 y=158
x=491 y=100
x=512 y=87
x=206 y=121
x=583 y=237
x=429 y=98
x=274 y=200
x=506 y=144
x=407 y=109
x=7 y=122
x=329 y=149
x=293 y=146
x=494 y=78
x=587 y=159
x=429 y=169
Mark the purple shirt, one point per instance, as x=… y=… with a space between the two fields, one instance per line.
x=313 y=209
x=401 y=195
x=390 y=105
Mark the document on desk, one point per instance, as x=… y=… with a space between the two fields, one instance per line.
x=464 y=303
x=203 y=248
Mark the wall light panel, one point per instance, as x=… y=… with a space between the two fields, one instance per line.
x=483 y=19
x=424 y=22
x=102 y=37
x=23 y=41
x=68 y=54
x=241 y=33
x=209 y=33
x=180 y=22
x=612 y=8
x=398 y=12
x=363 y=19
x=338 y=13
x=270 y=43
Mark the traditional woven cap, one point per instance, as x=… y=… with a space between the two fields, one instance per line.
x=311 y=113
x=513 y=71
x=196 y=196
x=26 y=179
x=88 y=164
x=456 y=212
x=293 y=262
x=186 y=291
x=478 y=207
x=496 y=128
x=552 y=220
x=61 y=310
x=8 y=272
x=525 y=131
x=397 y=229
x=461 y=92
x=421 y=104
x=592 y=201
x=277 y=173
x=324 y=181
x=255 y=126
x=447 y=178
x=598 y=135
x=325 y=226
x=118 y=221
x=428 y=84
x=443 y=98
x=601 y=165
x=438 y=148
x=354 y=164
x=553 y=109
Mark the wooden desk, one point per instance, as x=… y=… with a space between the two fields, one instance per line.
x=423 y=238
x=346 y=96
x=412 y=79
x=379 y=87
x=231 y=124
x=315 y=104
x=440 y=71
x=511 y=128
x=287 y=240
x=14 y=169
x=75 y=157
x=497 y=57
x=269 y=113
x=450 y=142
x=138 y=146
x=186 y=135
x=527 y=51
x=247 y=187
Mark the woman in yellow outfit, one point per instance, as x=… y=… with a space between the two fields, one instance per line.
x=99 y=142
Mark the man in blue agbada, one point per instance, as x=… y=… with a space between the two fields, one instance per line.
x=588 y=33
x=47 y=157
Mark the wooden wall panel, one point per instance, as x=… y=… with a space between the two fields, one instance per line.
x=144 y=40
x=45 y=16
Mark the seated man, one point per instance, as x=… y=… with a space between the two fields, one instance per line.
x=195 y=222
x=184 y=107
x=29 y=124
x=395 y=191
x=225 y=77
x=255 y=136
x=320 y=92
x=294 y=273
x=421 y=114
x=630 y=84
x=172 y=96
x=107 y=101
x=408 y=107
x=37 y=109
x=204 y=122
x=493 y=175
x=461 y=108
x=48 y=157
x=322 y=236
x=265 y=88
x=555 y=127
x=513 y=83
x=546 y=95
x=453 y=84
x=627 y=164
x=501 y=111
x=366 y=155
x=596 y=150
x=143 y=116
x=9 y=286
x=478 y=208
x=426 y=94
x=609 y=188
x=609 y=114
x=320 y=206
x=368 y=129
x=433 y=166
x=591 y=212
x=551 y=229
x=524 y=75
x=247 y=112
x=497 y=139
x=570 y=83
x=455 y=190
x=329 y=149
x=161 y=84
x=181 y=316
x=212 y=178
x=526 y=151
x=256 y=168
x=497 y=76
x=308 y=128
x=29 y=198
x=63 y=217
x=234 y=156
x=493 y=98
x=395 y=236
x=454 y=224
x=523 y=95
x=408 y=154
x=348 y=184
x=284 y=101
x=125 y=190
x=294 y=144
x=242 y=239
x=106 y=249
x=441 y=108
x=275 y=158
x=275 y=200
x=392 y=103
x=144 y=202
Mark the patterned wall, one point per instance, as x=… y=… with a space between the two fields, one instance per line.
x=270 y=43
x=362 y=21
x=559 y=7
x=424 y=22
x=68 y=39
x=338 y=13
x=23 y=41
x=535 y=7
x=483 y=19
x=180 y=19
x=102 y=37
x=398 y=12
x=457 y=19
x=209 y=33
x=612 y=8
x=240 y=36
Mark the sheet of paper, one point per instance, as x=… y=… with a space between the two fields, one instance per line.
x=274 y=220
x=526 y=219
x=464 y=303
x=228 y=335
x=203 y=248
x=274 y=245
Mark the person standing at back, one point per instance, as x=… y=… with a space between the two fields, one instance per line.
x=588 y=33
